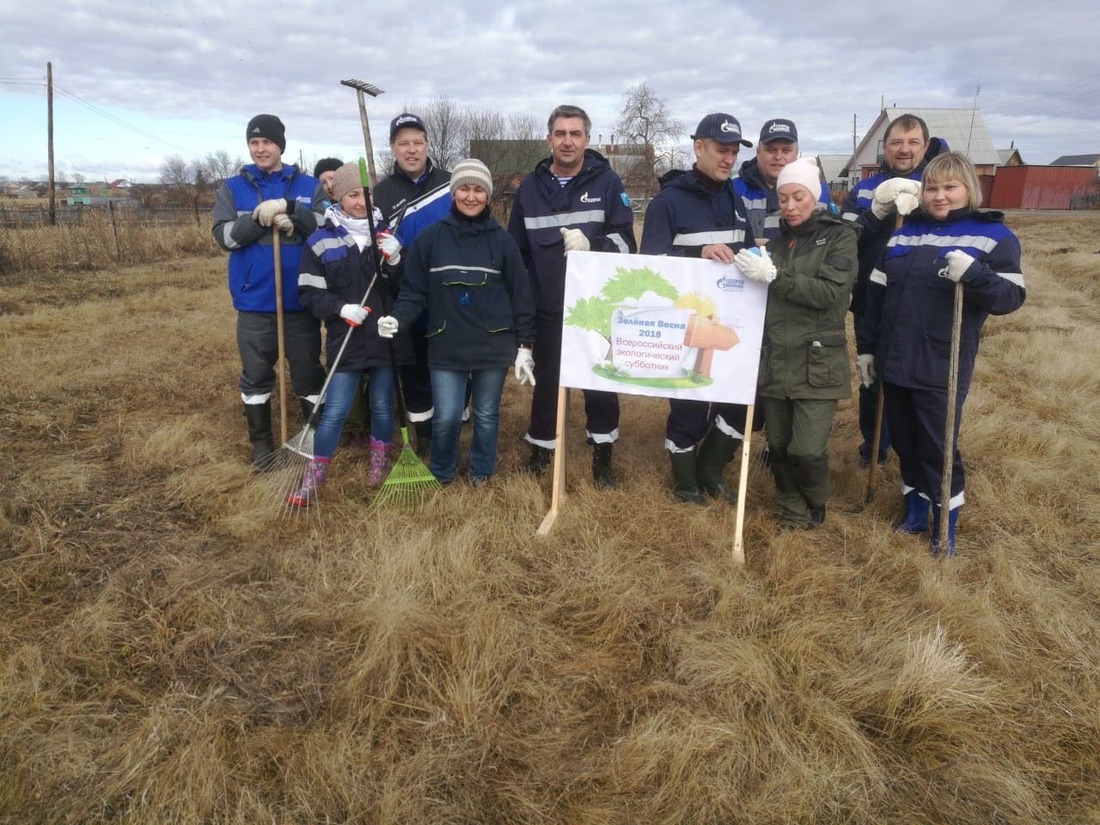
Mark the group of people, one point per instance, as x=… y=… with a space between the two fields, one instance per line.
x=425 y=278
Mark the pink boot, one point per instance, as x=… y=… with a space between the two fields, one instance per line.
x=376 y=469
x=314 y=477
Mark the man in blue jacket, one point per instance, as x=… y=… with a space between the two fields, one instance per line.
x=755 y=181
x=906 y=150
x=416 y=194
x=698 y=215
x=268 y=194
x=573 y=200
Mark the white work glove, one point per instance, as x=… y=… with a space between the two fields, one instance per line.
x=865 y=369
x=896 y=194
x=756 y=264
x=265 y=213
x=575 y=240
x=957 y=264
x=283 y=223
x=354 y=314
x=390 y=247
x=525 y=366
x=387 y=326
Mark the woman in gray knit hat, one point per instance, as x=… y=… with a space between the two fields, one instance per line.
x=466 y=274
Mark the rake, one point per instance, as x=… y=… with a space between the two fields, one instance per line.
x=408 y=479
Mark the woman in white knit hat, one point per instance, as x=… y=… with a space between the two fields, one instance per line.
x=466 y=273
x=804 y=359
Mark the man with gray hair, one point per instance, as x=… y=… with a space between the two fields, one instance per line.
x=573 y=200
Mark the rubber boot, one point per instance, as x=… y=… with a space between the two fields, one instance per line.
x=716 y=450
x=601 y=466
x=915 y=519
x=306 y=406
x=376 y=463
x=258 y=417
x=685 y=477
x=934 y=542
x=794 y=511
x=312 y=480
x=811 y=473
x=423 y=439
x=539 y=460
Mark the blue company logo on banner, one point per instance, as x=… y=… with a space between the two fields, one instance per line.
x=730 y=284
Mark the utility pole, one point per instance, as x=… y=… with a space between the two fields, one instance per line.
x=853 y=133
x=973 y=114
x=49 y=142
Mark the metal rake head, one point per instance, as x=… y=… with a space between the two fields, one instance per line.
x=362 y=86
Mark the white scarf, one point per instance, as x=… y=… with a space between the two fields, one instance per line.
x=358 y=228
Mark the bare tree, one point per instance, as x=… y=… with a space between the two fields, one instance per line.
x=175 y=172
x=645 y=119
x=182 y=179
x=445 y=122
x=510 y=145
x=218 y=166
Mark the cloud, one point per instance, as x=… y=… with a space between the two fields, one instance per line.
x=192 y=75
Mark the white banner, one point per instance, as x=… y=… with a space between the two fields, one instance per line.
x=661 y=326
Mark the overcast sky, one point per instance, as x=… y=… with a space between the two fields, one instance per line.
x=138 y=82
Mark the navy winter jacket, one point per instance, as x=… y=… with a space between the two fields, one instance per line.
x=411 y=205
x=467 y=276
x=251 y=262
x=691 y=212
x=593 y=202
x=334 y=272
x=908 y=316
x=874 y=232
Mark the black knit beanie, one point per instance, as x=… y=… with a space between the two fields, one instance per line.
x=267 y=126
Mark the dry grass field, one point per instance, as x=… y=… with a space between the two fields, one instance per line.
x=172 y=651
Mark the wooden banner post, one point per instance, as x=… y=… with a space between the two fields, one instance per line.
x=557 y=489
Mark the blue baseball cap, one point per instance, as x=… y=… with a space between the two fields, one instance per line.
x=778 y=128
x=721 y=128
x=403 y=120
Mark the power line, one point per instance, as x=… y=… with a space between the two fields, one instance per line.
x=107 y=115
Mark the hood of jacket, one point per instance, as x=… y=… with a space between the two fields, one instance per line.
x=750 y=173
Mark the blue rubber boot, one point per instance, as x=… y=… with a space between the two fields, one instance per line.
x=934 y=542
x=915 y=519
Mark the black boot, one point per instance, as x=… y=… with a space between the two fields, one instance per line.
x=685 y=477
x=258 y=417
x=423 y=438
x=715 y=452
x=539 y=460
x=601 y=466
x=306 y=407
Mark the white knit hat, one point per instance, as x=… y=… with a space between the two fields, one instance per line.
x=803 y=171
x=472 y=171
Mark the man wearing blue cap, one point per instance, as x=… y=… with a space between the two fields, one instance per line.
x=698 y=215
x=755 y=181
x=416 y=194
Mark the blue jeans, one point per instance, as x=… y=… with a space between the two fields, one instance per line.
x=338 y=398
x=448 y=395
